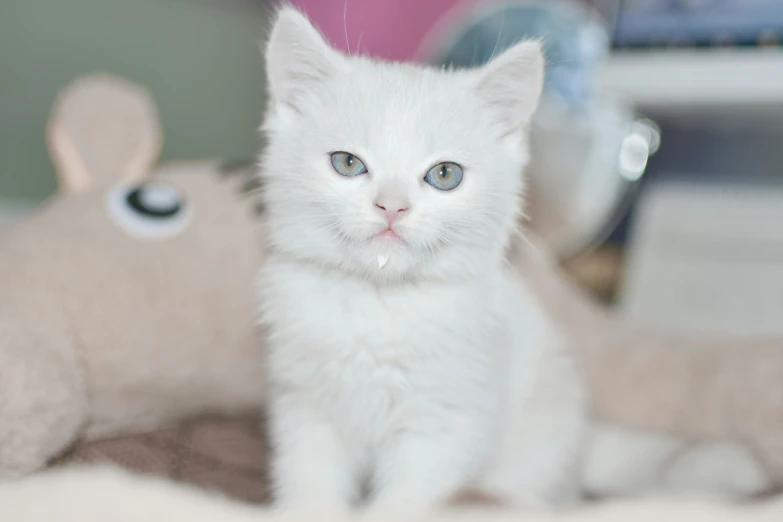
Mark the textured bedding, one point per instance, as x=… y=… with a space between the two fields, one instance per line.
x=227 y=455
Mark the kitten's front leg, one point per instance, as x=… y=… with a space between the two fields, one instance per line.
x=311 y=467
x=419 y=471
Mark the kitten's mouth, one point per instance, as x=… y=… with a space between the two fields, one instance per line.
x=388 y=234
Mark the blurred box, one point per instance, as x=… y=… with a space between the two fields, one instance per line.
x=707 y=259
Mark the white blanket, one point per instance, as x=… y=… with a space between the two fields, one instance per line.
x=105 y=494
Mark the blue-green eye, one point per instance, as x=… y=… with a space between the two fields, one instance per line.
x=347 y=164
x=444 y=176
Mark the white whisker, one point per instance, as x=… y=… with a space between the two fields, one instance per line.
x=345 y=27
x=500 y=33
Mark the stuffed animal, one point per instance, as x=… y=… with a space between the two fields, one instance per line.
x=127 y=298
x=128 y=306
x=671 y=413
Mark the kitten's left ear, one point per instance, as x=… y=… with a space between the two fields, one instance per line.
x=512 y=83
x=297 y=57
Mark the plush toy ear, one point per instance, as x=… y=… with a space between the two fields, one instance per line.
x=102 y=129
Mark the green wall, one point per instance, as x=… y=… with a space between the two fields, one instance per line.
x=199 y=58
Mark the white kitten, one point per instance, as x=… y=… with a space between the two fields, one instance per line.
x=403 y=351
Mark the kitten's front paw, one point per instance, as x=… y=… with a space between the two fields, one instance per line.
x=311 y=467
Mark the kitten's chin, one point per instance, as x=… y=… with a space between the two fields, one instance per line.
x=385 y=258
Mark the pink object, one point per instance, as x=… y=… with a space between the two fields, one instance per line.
x=390 y=29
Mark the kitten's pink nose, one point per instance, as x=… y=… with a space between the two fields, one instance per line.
x=391 y=211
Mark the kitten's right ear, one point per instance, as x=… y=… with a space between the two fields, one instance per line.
x=512 y=83
x=297 y=57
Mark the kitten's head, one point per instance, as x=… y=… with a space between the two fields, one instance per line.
x=393 y=171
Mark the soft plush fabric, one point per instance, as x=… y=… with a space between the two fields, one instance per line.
x=223 y=454
x=697 y=388
x=112 y=322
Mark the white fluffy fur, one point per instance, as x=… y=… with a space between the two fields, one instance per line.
x=436 y=371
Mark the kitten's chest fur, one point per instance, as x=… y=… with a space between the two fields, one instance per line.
x=373 y=357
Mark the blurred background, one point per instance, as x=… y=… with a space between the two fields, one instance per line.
x=658 y=148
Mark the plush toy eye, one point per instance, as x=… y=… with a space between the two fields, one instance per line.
x=149 y=211
x=444 y=176
x=347 y=164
